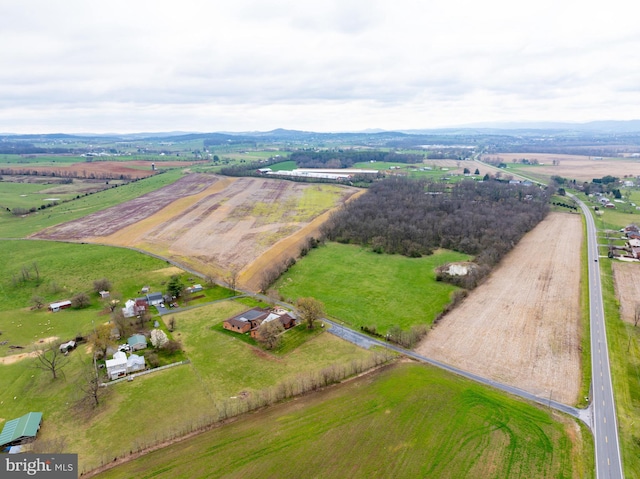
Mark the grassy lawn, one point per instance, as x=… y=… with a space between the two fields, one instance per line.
x=150 y=408
x=229 y=363
x=624 y=348
x=18 y=227
x=363 y=288
x=404 y=421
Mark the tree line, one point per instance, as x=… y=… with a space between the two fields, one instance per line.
x=414 y=217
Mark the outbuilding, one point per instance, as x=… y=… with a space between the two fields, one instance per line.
x=21 y=430
x=137 y=342
x=55 y=307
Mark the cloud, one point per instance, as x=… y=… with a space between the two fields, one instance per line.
x=330 y=65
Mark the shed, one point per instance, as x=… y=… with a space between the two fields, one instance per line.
x=137 y=342
x=55 y=307
x=104 y=294
x=21 y=430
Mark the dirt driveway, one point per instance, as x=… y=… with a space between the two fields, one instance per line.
x=523 y=325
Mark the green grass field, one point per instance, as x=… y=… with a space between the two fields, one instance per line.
x=404 y=421
x=18 y=227
x=363 y=288
x=624 y=354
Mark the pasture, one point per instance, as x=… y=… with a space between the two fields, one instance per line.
x=403 y=421
x=57 y=271
x=362 y=288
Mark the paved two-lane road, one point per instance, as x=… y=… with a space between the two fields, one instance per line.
x=605 y=424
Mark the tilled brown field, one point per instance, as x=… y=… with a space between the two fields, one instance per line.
x=627 y=288
x=522 y=326
x=111 y=220
x=581 y=168
x=210 y=223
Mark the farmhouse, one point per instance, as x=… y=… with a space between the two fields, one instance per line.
x=250 y=320
x=55 y=307
x=117 y=367
x=135 y=363
x=154 y=298
x=134 y=307
x=21 y=430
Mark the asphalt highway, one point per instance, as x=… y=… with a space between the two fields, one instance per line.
x=605 y=423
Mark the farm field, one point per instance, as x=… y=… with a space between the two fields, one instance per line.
x=19 y=227
x=362 y=288
x=523 y=325
x=127 y=169
x=34 y=191
x=578 y=167
x=214 y=224
x=627 y=288
x=403 y=421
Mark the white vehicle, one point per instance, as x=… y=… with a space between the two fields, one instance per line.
x=124 y=347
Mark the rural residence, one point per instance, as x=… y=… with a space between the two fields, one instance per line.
x=250 y=320
x=120 y=365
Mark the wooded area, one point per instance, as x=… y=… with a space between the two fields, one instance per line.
x=413 y=217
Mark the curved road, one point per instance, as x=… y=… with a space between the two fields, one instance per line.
x=605 y=423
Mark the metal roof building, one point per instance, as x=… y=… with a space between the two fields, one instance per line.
x=21 y=429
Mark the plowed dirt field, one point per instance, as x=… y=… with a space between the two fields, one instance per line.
x=522 y=326
x=214 y=224
x=627 y=288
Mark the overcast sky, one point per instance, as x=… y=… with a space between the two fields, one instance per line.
x=333 y=65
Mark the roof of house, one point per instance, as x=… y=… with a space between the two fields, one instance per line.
x=137 y=339
x=237 y=322
x=119 y=359
x=154 y=296
x=134 y=359
x=25 y=426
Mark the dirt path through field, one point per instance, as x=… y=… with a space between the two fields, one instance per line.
x=523 y=325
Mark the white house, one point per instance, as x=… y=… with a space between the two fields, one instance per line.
x=117 y=367
x=135 y=363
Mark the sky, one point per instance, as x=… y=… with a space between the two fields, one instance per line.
x=78 y=66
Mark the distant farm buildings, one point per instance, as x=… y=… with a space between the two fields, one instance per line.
x=321 y=173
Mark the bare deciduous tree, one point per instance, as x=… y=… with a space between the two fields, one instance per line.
x=80 y=300
x=50 y=358
x=101 y=285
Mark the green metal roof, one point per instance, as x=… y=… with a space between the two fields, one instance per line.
x=25 y=426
